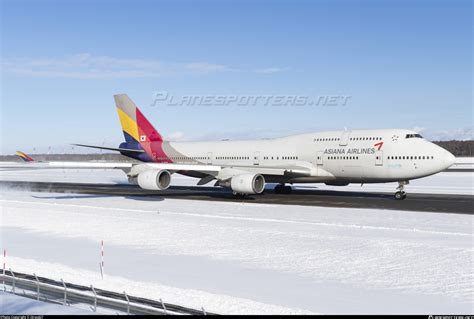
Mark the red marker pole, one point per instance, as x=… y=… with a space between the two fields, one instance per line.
x=4 y=263
x=102 y=259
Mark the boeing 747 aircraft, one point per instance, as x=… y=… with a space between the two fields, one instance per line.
x=333 y=157
x=24 y=157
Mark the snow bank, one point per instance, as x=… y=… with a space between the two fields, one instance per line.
x=248 y=258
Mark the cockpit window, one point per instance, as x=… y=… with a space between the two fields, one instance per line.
x=413 y=136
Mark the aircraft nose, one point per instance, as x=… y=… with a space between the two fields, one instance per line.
x=449 y=159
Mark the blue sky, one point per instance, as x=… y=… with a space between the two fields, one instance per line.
x=404 y=64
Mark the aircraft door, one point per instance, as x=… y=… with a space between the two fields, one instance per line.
x=209 y=158
x=319 y=158
x=256 y=158
x=344 y=138
x=378 y=158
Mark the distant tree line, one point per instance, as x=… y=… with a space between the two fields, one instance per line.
x=458 y=148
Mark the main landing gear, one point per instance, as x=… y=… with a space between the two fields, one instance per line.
x=238 y=195
x=282 y=189
x=400 y=194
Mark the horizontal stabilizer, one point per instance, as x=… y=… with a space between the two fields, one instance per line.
x=129 y=150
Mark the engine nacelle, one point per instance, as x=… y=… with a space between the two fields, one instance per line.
x=247 y=184
x=154 y=179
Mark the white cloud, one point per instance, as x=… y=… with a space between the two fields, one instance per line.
x=270 y=70
x=87 y=66
x=418 y=129
x=460 y=134
x=175 y=136
x=204 y=67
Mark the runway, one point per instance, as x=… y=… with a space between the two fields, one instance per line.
x=438 y=203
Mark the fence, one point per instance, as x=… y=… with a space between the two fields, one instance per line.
x=60 y=292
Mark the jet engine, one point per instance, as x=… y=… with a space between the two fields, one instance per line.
x=247 y=184
x=154 y=179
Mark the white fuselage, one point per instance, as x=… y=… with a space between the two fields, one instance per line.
x=337 y=157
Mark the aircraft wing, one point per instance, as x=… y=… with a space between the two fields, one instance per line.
x=213 y=170
x=227 y=171
x=6 y=166
x=91 y=165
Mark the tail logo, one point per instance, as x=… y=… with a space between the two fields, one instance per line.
x=24 y=157
x=139 y=133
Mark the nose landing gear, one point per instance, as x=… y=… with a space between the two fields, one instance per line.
x=400 y=194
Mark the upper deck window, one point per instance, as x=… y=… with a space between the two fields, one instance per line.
x=413 y=136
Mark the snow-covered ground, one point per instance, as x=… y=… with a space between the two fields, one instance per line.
x=463 y=163
x=441 y=183
x=243 y=257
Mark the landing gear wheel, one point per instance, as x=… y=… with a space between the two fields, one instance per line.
x=278 y=189
x=282 y=189
x=400 y=195
x=238 y=195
